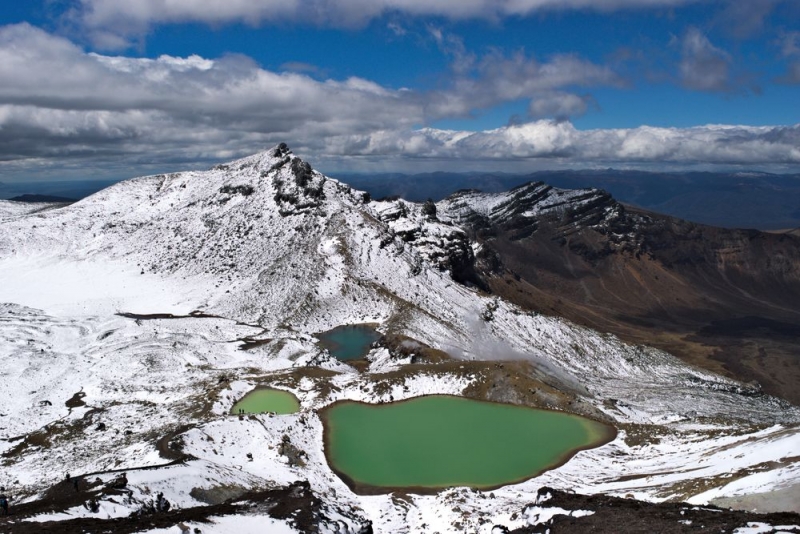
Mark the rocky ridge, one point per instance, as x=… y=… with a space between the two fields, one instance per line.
x=643 y=276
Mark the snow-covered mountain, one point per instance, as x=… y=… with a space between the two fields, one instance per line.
x=124 y=317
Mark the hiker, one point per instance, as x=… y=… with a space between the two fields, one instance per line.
x=3 y=502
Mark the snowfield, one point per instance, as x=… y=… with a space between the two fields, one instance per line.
x=98 y=380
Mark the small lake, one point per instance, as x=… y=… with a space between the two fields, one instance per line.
x=438 y=441
x=349 y=342
x=267 y=400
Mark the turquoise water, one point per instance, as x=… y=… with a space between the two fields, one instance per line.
x=441 y=441
x=349 y=342
x=267 y=400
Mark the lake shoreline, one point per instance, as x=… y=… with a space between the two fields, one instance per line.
x=606 y=435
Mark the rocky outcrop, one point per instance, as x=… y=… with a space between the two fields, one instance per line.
x=303 y=190
x=441 y=244
x=558 y=213
x=557 y=511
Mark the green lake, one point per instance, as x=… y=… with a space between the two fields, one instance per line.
x=349 y=342
x=267 y=400
x=439 y=441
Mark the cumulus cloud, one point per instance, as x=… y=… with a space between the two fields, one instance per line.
x=480 y=82
x=560 y=140
x=70 y=111
x=703 y=66
x=111 y=22
x=790 y=44
x=56 y=98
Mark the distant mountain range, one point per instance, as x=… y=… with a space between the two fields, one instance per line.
x=41 y=198
x=731 y=200
x=63 y=191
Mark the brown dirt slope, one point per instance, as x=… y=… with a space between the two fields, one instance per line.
x=727 y=300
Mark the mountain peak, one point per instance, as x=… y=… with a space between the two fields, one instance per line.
x=263 y=160
x=296 y=186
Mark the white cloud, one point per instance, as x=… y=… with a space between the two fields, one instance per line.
x=110 y=22
x=561 y=142
x=790 y=44
x=703 y=66
x=481 y=82
x=746 y=19
x=792 y=76
x=54 y=95
x=231 y=97
x=559 y=105
x=62 y=108
x=396 y=29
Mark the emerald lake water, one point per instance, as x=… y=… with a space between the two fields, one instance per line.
x=267 y=400
x=442 y=441
x=349 y=342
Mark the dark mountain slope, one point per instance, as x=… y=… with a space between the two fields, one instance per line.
x=724 y=299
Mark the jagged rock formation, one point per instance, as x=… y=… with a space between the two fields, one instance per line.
x=443 y=245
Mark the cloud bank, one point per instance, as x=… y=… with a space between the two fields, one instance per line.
x=561 y=141
x=66 y=111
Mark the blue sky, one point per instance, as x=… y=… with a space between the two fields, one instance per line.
x=108 y=89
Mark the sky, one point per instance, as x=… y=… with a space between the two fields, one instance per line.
x=103 y=89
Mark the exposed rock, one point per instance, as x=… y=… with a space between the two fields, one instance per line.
x=558 y=511
x=441 y=244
